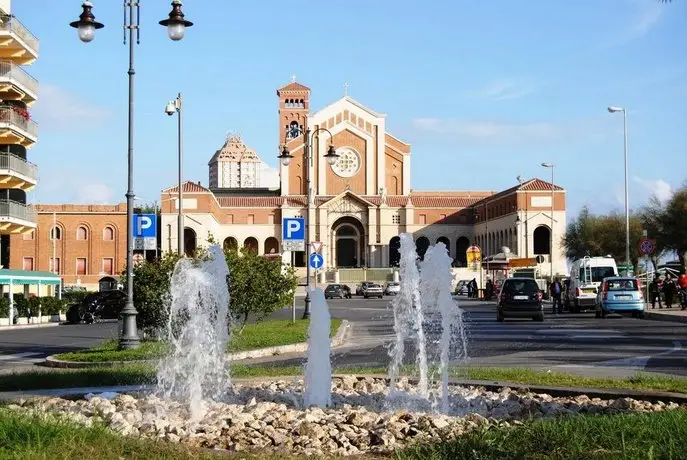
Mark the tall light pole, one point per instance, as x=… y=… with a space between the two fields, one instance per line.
x=86 y=26
x=176 y=106
x=614 y=109
x=331 y=156
x=552 y=166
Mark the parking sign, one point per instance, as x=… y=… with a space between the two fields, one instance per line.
x=145 y=226
x=293 y=229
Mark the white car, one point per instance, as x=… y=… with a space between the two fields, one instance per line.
x=392 y=288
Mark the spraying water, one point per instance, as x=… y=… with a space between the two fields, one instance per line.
x=408 y=316
x=196 y=368
x=318 y=369
x=435 y=285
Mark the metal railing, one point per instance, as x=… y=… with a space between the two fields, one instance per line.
x=17 y=210
x=18 y=164
x=8 y=115
x=11 y=24
x=11 y=71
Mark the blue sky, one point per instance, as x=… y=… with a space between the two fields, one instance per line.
x=483 y=91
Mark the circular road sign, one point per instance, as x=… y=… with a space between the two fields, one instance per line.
x=646 y=246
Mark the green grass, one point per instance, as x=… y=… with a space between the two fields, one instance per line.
x=260 y=335
x=139 y=374
x=660 y=435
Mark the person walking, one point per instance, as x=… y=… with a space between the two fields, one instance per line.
x=556 y=291
x=669 y=291
x=683 y=289
x=654 y=293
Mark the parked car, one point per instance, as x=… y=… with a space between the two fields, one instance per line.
x=462 y=287
x=620 y=294
x=520 y=298
x=392 y=288
x=337 y=291
x=360 y=289
x=373 y=290
x=97 y=307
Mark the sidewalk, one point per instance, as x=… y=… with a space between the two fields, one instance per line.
x=19 y=327
x=666 y=314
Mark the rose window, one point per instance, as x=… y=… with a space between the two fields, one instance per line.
x=348 y=163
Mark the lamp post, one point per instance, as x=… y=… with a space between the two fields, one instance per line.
x=614 y=109
x=86 y=26
x=552 y=166
x=331 y=156
x=176 y=106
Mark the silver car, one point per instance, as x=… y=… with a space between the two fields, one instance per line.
x=373 y=290
x=392 y=288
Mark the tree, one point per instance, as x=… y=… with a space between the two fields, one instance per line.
x=258 y=286
x=667 y=223
x=600 y=235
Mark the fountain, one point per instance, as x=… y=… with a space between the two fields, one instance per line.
x=318 y=369
x=196 y=368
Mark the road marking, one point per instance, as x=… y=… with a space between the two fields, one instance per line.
x=16 y=356
x=633 y=362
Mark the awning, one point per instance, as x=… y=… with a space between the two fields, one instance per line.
x=24 y=277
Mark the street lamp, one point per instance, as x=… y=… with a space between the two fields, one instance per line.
x=614 y=109
x=552 y=166
x=87 y=25
x=176 y=106
x=285 y=157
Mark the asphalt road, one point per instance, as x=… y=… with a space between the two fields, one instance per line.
x=616 y=346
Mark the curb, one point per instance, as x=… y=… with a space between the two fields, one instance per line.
x=664 y=317
x=338 y=340
x=494 y=386
x=20 y=327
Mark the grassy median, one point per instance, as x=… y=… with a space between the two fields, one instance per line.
x=259 y=335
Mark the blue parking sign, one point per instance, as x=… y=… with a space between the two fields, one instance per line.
x=145 y=226
x=293 y=229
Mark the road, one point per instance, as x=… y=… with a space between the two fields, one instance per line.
x=616 y=346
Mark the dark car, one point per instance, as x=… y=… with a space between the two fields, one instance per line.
x=97 y=307
x=338 y=291
x=520 y=298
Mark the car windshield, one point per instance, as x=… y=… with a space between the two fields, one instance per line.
x=333 y=287
x=528 y=287
x=622 y=285
x=597 y=273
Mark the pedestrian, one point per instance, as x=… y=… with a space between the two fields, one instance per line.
x=669 y=291
x=655 y=293
x=683 y=289
x=469 y=288
x=475 y=289
x=489 y=291
x=556 y=291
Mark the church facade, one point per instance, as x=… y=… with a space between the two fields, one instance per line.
x=362 y=202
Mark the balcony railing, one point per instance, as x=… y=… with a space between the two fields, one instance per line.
x=8 y=115
x=18 y=165
x=11 y=71
x=16 y=210
x=11 y=24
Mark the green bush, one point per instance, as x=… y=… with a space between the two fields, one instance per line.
x=52 y=306
x=4 y=307
x=21 y=307
x=72 y=297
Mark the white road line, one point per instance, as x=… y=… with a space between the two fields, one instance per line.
x=635 y=362
x=18 y=356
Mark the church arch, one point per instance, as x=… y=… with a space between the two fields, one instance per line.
x=395 y=251
x=421 y=246
x=190 y=241
x=541 y=240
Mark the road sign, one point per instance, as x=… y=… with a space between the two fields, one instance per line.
x=145 y=226
x=297 y=245
x=138 y=259
x=316 y=246
x=646 y=246
x=293 y=229
x=145 y=244
x=316 y=260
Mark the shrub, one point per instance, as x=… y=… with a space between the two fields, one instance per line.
x=72 y=297
x=4 y=307
x=52 y=306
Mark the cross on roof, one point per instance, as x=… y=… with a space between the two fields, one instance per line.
x=293 y=79
x=346 y=85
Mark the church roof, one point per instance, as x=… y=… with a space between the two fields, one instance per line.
x=293 y=86
x=187 y=187
x=235 y=150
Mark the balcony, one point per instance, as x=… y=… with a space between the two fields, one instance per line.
x=17 y=173
x=17 y=44
x=16 y=217
x=17 y=129
x=16 y=84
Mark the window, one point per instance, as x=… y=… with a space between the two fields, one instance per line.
x=55 y=265
x=81 y=233
x=423 y=219
x=28 y=263
x=396 y=219
x=81 y=266
x=230 y=218
x=108 y=266
x=627 y=284
x=29 y=236
x=513 y=286
x=56 y=233
x=108 y=234
x=270 y=219
x=251 y=219
x=597 y=273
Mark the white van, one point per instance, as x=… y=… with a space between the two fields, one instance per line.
x=585 y=278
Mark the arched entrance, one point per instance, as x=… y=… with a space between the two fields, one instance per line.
x=447 y=243
x=542 y=240
x=462 y=245
x=251 y=244
x=230 y=244
x=394 y=251
x=349 y=242
x=190 y=241
x=421 y=246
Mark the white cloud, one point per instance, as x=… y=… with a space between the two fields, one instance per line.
x=57 y=108
x=658 y=188
x=488 y=131
x=94 y=193
x=648 y=15
x=502 y=90
x=269 y=177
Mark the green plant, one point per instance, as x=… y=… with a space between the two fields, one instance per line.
x=71 y=297
x=34 y=306
x=52 y=305
x=4 y=307
x=21 y=307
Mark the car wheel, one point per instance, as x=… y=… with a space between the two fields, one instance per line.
x=597 y=313
x=640 y=315
x=634 y=314
x=539 y=317
x=499 y=316
x=603 y=313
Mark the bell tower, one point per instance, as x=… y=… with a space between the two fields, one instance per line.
x=294 y=106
